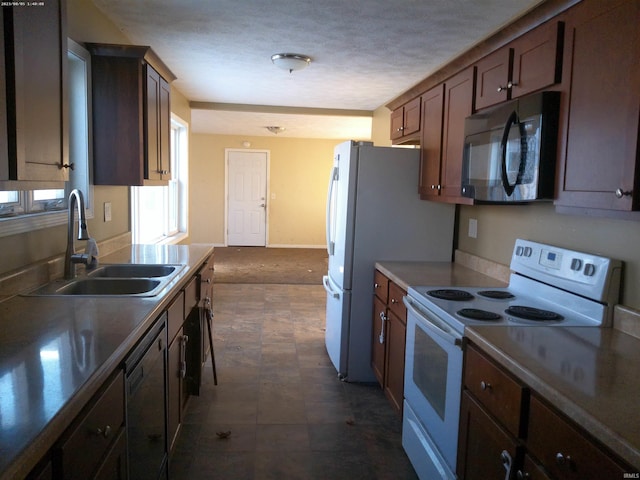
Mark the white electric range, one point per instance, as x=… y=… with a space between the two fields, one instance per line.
x=548 y=286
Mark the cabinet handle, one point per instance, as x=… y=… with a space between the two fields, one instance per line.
x=506 y=463
x=485 y=386
x=563 y=460
x=520 y=475
x=393 y=300
x=66 y=165
x=623 y=193
x=163 y=172
x=512 y=84
x=376 y=285
x=104 y=432
x=383 y=319
x=501 y=88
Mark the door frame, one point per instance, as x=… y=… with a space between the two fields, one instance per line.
x=226 y=191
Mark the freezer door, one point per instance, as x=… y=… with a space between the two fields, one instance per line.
x=337 y=325
x=341 y=213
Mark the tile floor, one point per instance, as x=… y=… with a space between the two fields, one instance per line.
x=279 y=396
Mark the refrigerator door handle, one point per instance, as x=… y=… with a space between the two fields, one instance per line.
x=327 y=287
x=330 y=213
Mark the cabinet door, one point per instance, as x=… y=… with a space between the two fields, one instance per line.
x=152 y=126
x=394 y=370
x=378 y=339
x=431 y=144
x=537 y=59
x=36 y=111
x=164 y=119
x=458 y=105
x=485 y=450
x=114 y=466
x=492 y=78
x=397 y=123
x=411 y=117
x=601 y=153
x=565 y=451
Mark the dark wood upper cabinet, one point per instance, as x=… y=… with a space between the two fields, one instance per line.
x=131 y=115
x=405 y=123
x=529 y=63
x=458 y=105
x=33 y=110
x=431 y=144
x=601 y=154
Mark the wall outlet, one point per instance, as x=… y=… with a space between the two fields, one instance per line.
x=473 y=228
x=107 y=211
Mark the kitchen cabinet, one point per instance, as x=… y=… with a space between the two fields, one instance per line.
x=529 y=63
x=389 y=334
x=176 y=366
x=131 y=115
x=601 y=152
x=405 y=123
x=33 y=93
x=503 y=423
x=440 y=178
x=94 y=442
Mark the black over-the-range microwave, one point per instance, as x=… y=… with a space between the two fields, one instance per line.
x=510 y=151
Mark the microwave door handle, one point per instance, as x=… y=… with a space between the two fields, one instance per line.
x=513 y=118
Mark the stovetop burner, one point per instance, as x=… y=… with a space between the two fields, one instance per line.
x=477 y=314
x=496 y=294
x=530 y=313
x=450 y=294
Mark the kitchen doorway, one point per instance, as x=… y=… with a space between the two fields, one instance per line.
x=246 y=199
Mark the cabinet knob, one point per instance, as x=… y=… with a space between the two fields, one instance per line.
x=376 y=285
x=562 y=459
x=512 y=84
x=623 y=193
x=501 y=88
x=520 y=475
x=393 y=300
x=163 y=172
x=104 y=432
x=484 y=386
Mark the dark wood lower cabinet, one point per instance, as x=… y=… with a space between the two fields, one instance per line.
x=485 y=449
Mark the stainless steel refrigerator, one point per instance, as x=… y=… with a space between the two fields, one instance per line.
x=374 y=213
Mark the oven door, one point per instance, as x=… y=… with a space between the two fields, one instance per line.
x=432 y=386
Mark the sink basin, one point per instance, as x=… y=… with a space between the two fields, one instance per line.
x=130 y=270
x=115 y=287
x=109 y=286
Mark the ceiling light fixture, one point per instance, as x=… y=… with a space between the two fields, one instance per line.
x=275 y=129
x=290 y=61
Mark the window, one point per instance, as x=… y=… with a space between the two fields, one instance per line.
x=159 y=213
x=26 y=210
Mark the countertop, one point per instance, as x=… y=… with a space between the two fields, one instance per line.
x=55 y=352
x=407 y=274
x=597 y=386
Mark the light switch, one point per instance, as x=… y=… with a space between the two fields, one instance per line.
x=107 y=211
x=473 y=228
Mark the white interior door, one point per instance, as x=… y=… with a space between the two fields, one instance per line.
x=247 y=193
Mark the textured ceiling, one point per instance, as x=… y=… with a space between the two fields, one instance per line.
x=364 y=53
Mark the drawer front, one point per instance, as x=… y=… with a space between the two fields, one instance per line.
x=497 y=391
x=565 y=451
x=381 y=286
x=175 y=316
x=190 y=295
x=206 y=278
x=91 y=435
x=396 y=305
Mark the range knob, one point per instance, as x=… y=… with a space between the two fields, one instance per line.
x=576 y=264
x=589 y=269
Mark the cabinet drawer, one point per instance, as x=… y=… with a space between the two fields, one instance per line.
x=88 y=439
x=565 y=451
x=381 y=286
x=502 y=396
x=190 y=295
x=175 y=316
x=396 y=305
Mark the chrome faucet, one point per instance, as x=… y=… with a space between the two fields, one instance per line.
x=71 y=258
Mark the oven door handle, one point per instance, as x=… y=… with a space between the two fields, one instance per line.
x=439 y=328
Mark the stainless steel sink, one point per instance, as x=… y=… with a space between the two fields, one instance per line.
x=129 y=270
x=115 y=280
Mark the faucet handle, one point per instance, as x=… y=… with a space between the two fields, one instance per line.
x=91 y=251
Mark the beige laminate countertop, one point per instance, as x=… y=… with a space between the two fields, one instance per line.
x=597 y=387
x=55 y=352
x=407 y=274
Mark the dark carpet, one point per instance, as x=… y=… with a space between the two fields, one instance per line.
x=292 y=266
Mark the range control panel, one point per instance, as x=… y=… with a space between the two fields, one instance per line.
x=589 y=275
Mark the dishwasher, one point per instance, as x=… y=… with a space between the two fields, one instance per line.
x=145 y=373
